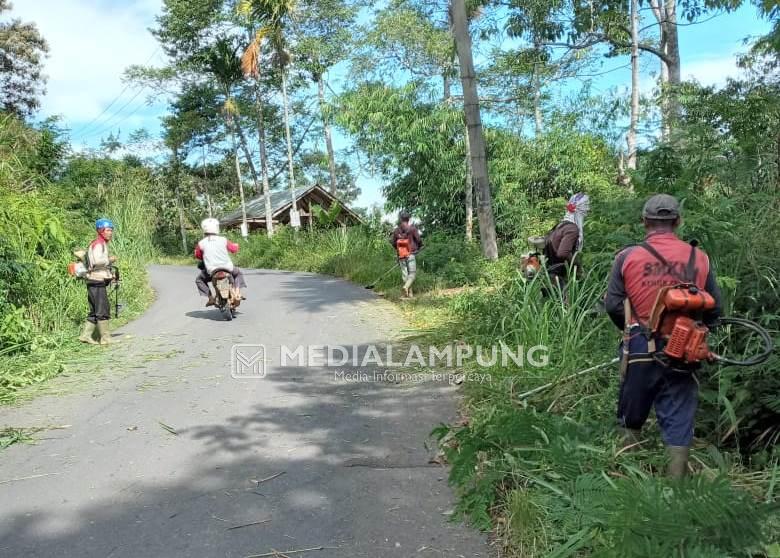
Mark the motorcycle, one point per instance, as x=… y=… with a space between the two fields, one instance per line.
x=225 y=294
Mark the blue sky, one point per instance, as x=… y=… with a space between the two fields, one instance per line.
x=93 y=41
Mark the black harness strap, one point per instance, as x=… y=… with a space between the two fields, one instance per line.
x=690 y=271
x=688 y=278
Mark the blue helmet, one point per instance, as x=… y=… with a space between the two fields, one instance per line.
x=104 y=224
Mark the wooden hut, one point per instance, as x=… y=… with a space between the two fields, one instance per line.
x=281 y=203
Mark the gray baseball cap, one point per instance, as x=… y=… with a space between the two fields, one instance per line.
x=661 y=207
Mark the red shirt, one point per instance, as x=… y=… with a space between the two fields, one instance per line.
x=642 y=274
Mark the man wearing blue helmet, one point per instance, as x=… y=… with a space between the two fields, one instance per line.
x=99 y=276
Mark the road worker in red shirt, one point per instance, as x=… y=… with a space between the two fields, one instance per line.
x=639 y=272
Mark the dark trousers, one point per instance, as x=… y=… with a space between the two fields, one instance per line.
x=203 y=279
x=648 y=383
x=99 y=307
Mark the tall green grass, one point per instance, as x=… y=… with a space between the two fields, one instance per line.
x=41 y=306
x=520 y=313
x=548 y=472
x=363 y=255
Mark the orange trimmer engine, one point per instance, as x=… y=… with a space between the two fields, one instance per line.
x=530 y=264
x=676 y=318
x=404 y=248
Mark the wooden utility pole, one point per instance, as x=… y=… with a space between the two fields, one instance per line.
x=487 y=226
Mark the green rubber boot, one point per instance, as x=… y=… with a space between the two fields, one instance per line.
x=104 y=334
x=88 y=333
x=678 y=461
x=629 y=436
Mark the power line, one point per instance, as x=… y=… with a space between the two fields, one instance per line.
x=117 y=113
x=85 y=127
x=107 y=127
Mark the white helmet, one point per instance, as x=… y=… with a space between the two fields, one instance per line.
x=210 y=226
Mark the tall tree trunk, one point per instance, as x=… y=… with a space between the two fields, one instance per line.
x=269 y=225
x=328 y=137
x=469 y=191
x=634 y=118
x=206 y=184
x=673 y=53
x=487 y=226
x=179 y=205
x=244 y=224
x=537 y=88
x=665 y=12
x=665 y=107
x=247 y=154
x=468 y=183
x=673 y=43
x=290 y=170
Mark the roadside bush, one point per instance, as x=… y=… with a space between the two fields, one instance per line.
x=362 y=254
x=41 y=306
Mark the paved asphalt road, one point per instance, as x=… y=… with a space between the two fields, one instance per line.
x=115 y=483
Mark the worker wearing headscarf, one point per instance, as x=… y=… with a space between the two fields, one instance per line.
x=576 y=211
x=565 y=240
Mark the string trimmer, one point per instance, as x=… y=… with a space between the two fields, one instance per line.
x=385 y=274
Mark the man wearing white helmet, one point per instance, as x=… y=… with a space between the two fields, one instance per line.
x=214 y=251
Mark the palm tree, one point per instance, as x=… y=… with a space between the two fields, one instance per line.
x=250 y=64
x=272 y=16
x=224 y=64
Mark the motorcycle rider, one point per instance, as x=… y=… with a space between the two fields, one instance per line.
x=214 y=252
x=99 y=276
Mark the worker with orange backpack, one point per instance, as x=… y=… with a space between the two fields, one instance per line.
x=99 y=273
x=663 y=295
x=407 y=242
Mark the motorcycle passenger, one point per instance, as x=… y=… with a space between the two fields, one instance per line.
x=214 y=252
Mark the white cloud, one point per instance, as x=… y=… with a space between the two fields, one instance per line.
x=707 y=70
x=91 y=43
x=711 y=71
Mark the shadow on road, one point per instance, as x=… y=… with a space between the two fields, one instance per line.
x=316 y=293
x=356 y=472
x=215 y=315
x=356 y=479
